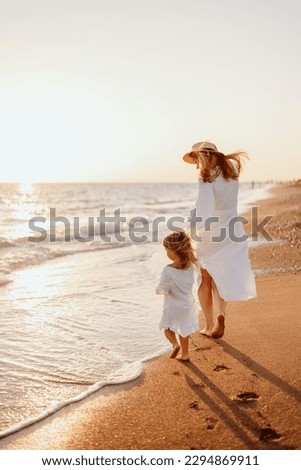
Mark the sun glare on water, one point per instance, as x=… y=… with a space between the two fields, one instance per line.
x=32 y=288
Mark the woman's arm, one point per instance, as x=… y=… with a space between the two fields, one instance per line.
x=205 y=204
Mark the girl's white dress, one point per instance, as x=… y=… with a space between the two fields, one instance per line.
x=180 y=310
x=223 y=249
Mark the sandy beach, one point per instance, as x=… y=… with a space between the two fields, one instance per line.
x=240 y=392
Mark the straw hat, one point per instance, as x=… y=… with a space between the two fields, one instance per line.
x=199 y=146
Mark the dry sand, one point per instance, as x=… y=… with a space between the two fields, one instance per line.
x=240 y=392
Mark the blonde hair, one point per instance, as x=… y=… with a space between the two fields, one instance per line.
x=229 y=166
x=179 y=243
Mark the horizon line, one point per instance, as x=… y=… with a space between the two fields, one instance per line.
x=140 y=182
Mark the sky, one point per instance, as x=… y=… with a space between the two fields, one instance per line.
x=118 y=91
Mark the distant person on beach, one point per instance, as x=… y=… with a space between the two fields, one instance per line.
x=180 y=310
x=220 y=240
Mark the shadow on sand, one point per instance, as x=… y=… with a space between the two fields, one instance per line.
x=230 y=411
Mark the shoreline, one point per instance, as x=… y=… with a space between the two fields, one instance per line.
x=284 y=254
x=129 y=416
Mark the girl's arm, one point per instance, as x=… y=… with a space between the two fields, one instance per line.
x=164 y=284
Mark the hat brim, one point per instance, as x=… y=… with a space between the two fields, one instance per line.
x=188 y=159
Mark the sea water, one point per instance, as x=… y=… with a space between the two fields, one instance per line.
x=78 y=308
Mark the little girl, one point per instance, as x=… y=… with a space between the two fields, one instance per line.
x=180 y=310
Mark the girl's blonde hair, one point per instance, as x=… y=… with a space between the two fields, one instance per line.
x=179 y=243
x=214 y=163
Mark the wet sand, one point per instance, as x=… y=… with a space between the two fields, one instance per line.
x=239 y=392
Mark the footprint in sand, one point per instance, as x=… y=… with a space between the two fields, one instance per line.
x=211 y=423
x=220 y=367
x=246 y=397
x=199 y=385
x=194 y=405
x=268 y=434
x=203 y=348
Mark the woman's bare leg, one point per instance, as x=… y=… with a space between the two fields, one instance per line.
x=170 y=335
x=206 y=301
x=220 y=305
x=184 y=348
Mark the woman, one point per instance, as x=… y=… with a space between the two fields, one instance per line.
x=220 y=240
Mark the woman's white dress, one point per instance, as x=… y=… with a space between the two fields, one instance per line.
x=180 y=310
x=223 y=248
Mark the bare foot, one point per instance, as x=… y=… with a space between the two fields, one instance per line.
x=183 y=358
x=206 y=332
x=175 y=350
x=218 y=330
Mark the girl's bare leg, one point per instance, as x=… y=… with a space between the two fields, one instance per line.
x=170 y=335
x=184 y=348
x=220 y=305
x=206 y=301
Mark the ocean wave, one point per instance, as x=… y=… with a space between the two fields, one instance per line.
x=6 y=242
x=156 y=202
x=128 y=371
x=4 y=280
x=20 y=259
x=19 y=252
